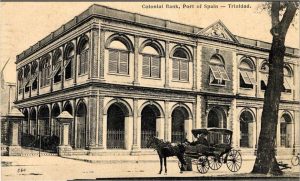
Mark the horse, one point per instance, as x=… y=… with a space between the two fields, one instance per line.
x=166 y=149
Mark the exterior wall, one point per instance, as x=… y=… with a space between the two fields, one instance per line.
x=99 y=89
x=207 y=53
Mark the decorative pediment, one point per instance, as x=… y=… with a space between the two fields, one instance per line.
x=218 y=30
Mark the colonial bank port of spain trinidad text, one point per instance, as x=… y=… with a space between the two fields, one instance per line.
x=192 y=6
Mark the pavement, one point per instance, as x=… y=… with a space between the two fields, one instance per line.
x=116 y=167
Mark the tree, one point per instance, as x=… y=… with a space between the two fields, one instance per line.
x=282 y=15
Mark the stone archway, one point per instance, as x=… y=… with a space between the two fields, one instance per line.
x=44 y=120
x=286 y=131
x=151 y=124
x=81 y=116
x=181 y=124
x=246 y=129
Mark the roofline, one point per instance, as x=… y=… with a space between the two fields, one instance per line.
x=101 y=11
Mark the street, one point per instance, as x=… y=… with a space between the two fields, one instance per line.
x=57 y=168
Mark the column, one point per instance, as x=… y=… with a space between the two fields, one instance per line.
x=232 y=123
x=160 y=127
x=94 y=50
x=136 y=60
x=51 y=68
x=75 y=63
x=102 y=42
x=93 y=123
x=100 y=123
x=167 y=125
x=195 y=68
x=297 y=132
x=167 y=65
x=104 y=131
x=128 y=132
x=75 y=123
x=198 y=65
x=198 y=122
x=188 y=128
x=136 y=132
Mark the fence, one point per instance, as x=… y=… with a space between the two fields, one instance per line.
x=145 y=134
x=48 y=143
x=178 y=137
x=115 y=139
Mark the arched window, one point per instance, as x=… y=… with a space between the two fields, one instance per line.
x=69 y=57
x=286 y=131
x=20 y=80
x=45 y=69
x=247 y=79
x=264 y=69
x=180 y=65
x=151 y=62
x=34 y=75
x=83 y=51
x=26 y=78
x=218 y=74
x=118 y=58
x=287 y=79
x=56 y=66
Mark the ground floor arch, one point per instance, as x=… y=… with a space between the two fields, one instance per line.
x=216 y=118
x=44 y=120
x=286 y=131
x=81 y=118
x=151 y=124
x=246 y=121
x=180 y=124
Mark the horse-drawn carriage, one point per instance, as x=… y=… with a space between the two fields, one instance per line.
x=213 y=148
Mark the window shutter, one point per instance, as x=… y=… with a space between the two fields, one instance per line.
x=223 y=73
x=86 y=59
x=245 y=77
x=113 y=61
x=146 y=66
x=155 y=72
x=175 y=69
x=215 y=71
x=184 y=70
x=251 y=77
x=123 y=63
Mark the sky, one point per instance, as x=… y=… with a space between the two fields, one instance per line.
x=24 y=24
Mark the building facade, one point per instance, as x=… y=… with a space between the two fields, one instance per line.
x=124 y=76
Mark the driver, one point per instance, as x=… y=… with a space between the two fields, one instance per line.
x=201 y=139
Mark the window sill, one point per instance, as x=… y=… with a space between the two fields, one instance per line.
x=68 y=79
x=118 y=74
x=82 y=75
x=154 y=78
x=245 y=88
x=218 y=85
x=180 y=81
x=56 y=83
x=45 y=86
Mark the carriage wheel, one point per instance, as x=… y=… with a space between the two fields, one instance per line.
x=295 y=160
x=203 y=164
x=234 y=161
x=214 y=162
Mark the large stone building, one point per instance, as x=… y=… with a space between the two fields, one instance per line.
x=125 y=76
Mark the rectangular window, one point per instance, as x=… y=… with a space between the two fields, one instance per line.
x=151 y=66
x=286 y=85
x=83 y=62
x=176 y=69
x=184 y=70
x=264 y=82
x=180 y=69
x=246 y=79
x=218 y=75
x=68 y=68
x=155 y=67
x=45 y=76
x=55 y=69
x=123 y=63
x=118 y=62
